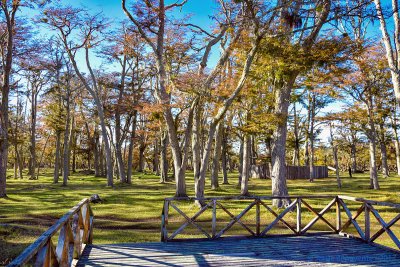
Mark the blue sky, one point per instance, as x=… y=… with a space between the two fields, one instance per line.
x=112 y=8
x=200 y=11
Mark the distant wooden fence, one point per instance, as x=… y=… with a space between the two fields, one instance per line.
x=344 y=216
x=75 y=231
x=292 y=172
x=303 y=172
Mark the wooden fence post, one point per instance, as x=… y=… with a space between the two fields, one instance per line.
x=298 y=216
x=214 y=219
x=258 y=217
x=91 y=221
x=367 y=224
x=338 y=217
x=164 y=222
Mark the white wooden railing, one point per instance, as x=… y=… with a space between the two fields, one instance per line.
x=75 y=231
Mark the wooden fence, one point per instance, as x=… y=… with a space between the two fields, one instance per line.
x=292 y=172
x=297 y=203
x=75 y=231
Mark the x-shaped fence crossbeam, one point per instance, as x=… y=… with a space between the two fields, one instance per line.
x=352 y=218
x=190 y=220
x=278 y=217
x=385 y=226
x=235 y=219
x=318 y=216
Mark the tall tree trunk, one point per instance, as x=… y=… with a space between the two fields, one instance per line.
x=385 y=167
x=89 y=158
x=41 y=157
x=142 y=148
x=224 y=158
x=118 y=155
x=18 y=162
x=392 y=52
x=372 y=147
x=66 y=139
x=268 y=149
x=107 y=147
x=230 y=163
x=396 y=143
x=96 y=148
x=339 y=184
x=373 y=169
x=253 y=147
x=156 y=153
x=296 y=154
x=104 y=165
x=118 y=137
x=353 y=149
x=312 y=138
x=57 y=159
x=307 y=133
x=196 y=139
x=178 y=158
x=115 y=167
x=20 y=165
x=241 y=149
x=124 y=154
x=131 y=143
x=381 y=139
x=15 y=168
x=101 y=162
x=32 y=148
x=71 y=142
x=181 y=158
x=397 y=147
x=244 y=190
x=163 y=157
x=62 y=160
x=74 y=146
x=5 y=89
x=278 y=173
x=103 y=154
x=216 y=156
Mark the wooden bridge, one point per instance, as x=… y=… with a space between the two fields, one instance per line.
x=338 y=230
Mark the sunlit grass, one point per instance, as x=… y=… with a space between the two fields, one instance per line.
x=132 y=213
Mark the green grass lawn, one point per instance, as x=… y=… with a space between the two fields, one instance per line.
x=132 y=213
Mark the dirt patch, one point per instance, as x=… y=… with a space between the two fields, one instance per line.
x=137 y=220
x=129 y=227
x=37 y=221
x=13 y=240
x=9 y=231
x=114 y=223
x=86 y=172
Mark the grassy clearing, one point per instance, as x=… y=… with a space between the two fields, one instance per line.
x=132 y=213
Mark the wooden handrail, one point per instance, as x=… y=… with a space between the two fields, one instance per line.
x=337 y=202
x=76 y=230
x=372 y=202
x=246 y=198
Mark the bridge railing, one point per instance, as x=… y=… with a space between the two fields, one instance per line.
x=339 y=224
x=75 y=230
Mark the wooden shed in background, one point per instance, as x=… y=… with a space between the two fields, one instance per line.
x=292 y=172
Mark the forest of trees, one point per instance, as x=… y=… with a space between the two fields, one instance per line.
x=285 y=82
